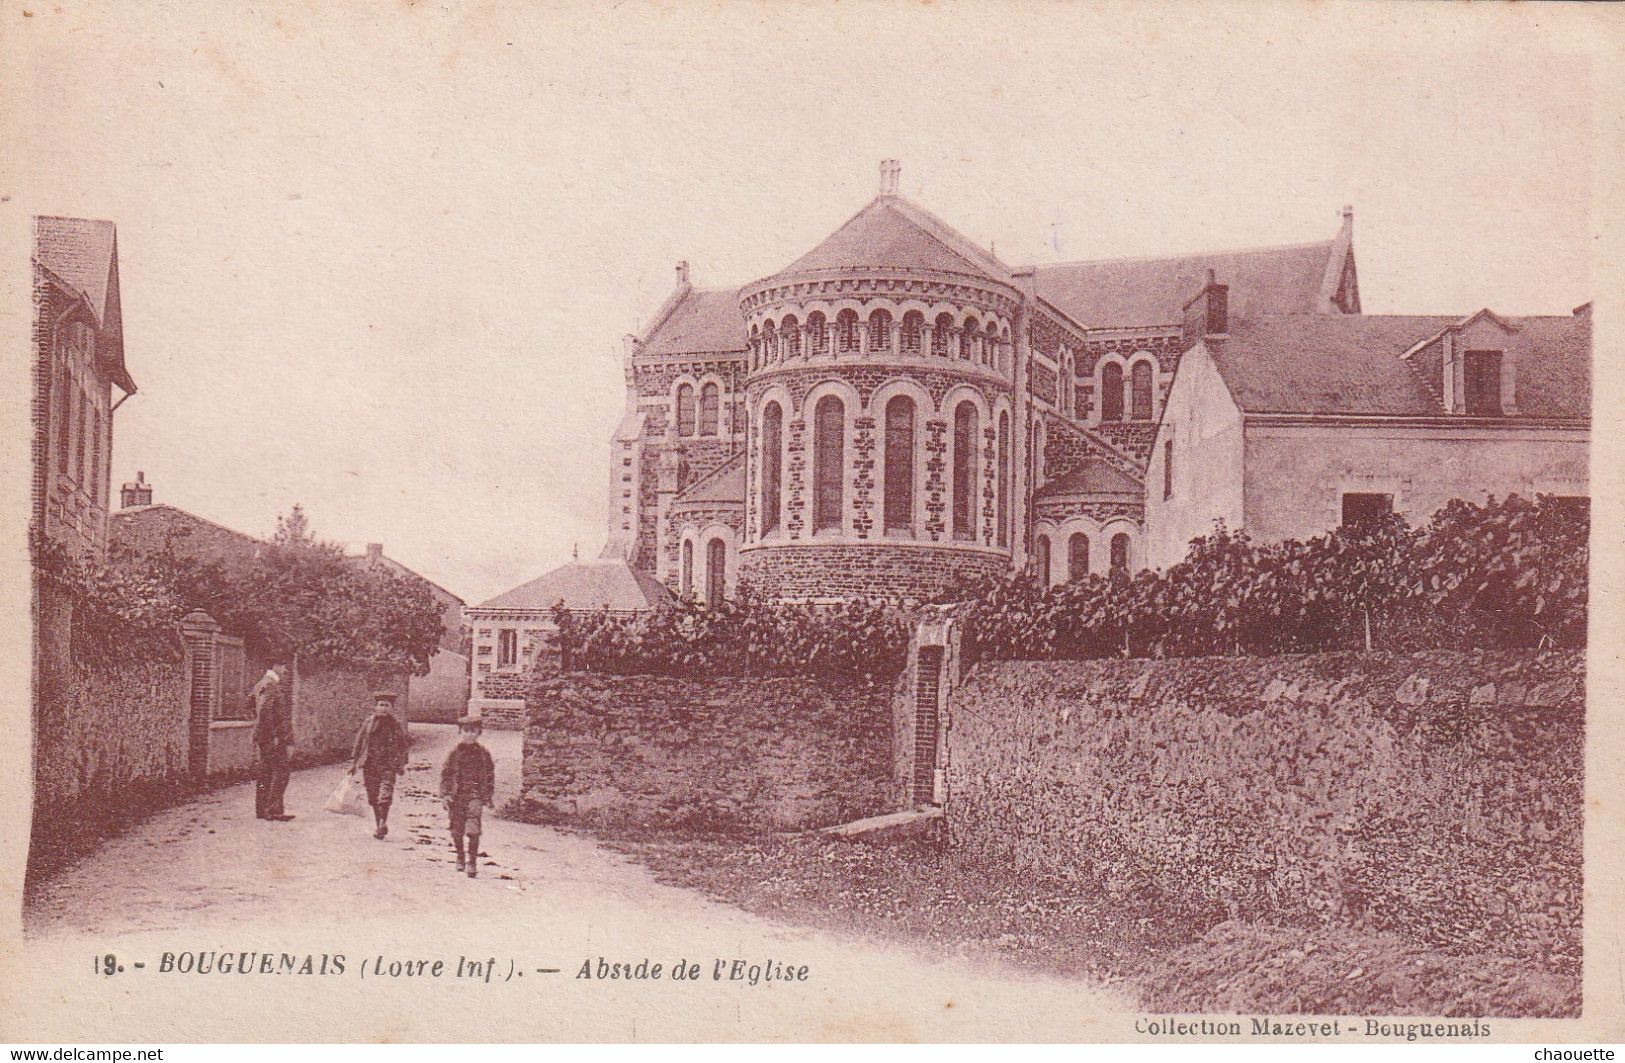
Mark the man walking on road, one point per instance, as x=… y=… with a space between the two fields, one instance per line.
x=273 y=734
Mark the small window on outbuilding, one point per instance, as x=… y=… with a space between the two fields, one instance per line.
x=1361 y=508
x=507 y=647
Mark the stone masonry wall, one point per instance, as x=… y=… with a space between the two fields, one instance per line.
x=330 y=704
x=836 y=570
x=1436 y=796
x=720 y=754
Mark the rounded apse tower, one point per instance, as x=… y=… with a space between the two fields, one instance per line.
x=879 y=419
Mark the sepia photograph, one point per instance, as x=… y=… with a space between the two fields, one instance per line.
x=810 y=522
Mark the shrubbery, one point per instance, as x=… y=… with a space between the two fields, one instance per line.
x=299 y=596
x=742 y=636
x=1500 y=575
x=1505 y=574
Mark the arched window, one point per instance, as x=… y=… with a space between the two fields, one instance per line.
x=772 y=461
x=1120 y=552
x=716 y=572
x=686 y=587
x=913 y=325
x=990 y=345
x=791 y=331
x=1004 y=479
x=965 y=471
x=1140 y=385
x=685 y=410
x=829 y=462
x=1064 y=400
x=1041 y=559
x=1077 y=556
x=1111 y=392
x=770 y=343
x=846 y=331
x=967 y=339
x=939 y=335
x=899 y=489
x=879 y=331
x=710 y=407
x=1004 y=350
x=755 y=348
x=817 y=334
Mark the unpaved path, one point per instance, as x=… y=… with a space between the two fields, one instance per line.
x=207 y=876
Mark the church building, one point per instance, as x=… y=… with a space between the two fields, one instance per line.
x=897 y=411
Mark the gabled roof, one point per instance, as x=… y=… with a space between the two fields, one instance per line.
x=1094 y=477
x=1353 y=364
x=82 y=255
x=703 y=320
x=1136 y=292
x=724 y=484
x=892 y=233
x=586 y=585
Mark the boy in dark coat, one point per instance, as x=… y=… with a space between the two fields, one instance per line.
x=380 y=755
x=468 y=782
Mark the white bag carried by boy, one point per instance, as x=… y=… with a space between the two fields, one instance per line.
x=349 y=797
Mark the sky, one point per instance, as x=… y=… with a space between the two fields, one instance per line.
x=377 y=258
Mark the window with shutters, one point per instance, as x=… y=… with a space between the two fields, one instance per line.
x=899 y=490
x=507 y=647
x=791 y=331
x=772 y=463
x=965 y=471
x=829 y=463
x=879 y=332
x=913 y=328
x=846 y=331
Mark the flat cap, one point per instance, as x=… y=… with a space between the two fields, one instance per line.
x=386 y=695
x=471 y=721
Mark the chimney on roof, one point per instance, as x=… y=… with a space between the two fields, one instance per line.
x=375 y=553
x=138 y=493
x=1348 y=217
x=890 y=171
x=1207 y=315
x=682 y=274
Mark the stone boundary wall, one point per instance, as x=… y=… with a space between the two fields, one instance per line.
x=109 y=742
x=1435 y=796
x=727 y=753
x=329 y=705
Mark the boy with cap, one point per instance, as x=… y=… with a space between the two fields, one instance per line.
x=380 y=755
x=468 y=783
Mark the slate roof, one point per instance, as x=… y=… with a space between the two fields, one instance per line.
x=1094 y=477
x=724 y=484
x=1351 y=364
x=1136 y=292
x=704 y=320
x=588 y=585
x=892 y=233
x=82 y=253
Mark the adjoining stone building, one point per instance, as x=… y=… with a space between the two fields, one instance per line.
x=898 y=411
x=78 y=337
x=514 y=630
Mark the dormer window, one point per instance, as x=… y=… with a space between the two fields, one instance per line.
x=1483 y=384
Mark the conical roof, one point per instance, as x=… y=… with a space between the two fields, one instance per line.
x=892 y=233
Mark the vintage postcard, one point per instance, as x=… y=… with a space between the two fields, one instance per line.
x=880 y=522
